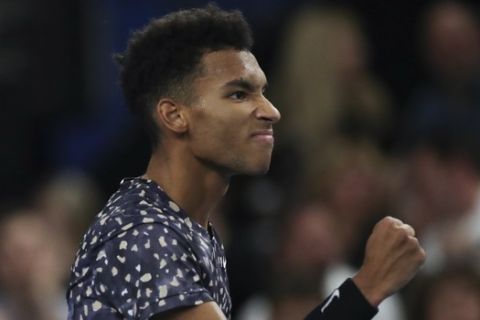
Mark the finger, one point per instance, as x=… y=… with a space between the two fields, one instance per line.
x=408 y=228
x=394 y=221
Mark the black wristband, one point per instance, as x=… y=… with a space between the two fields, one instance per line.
x=345 y=303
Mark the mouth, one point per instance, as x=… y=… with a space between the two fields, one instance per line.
x=264 y=136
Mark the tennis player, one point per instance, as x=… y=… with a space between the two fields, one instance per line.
x=152 y=253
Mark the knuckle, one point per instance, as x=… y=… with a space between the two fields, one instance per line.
x=422 y=255
x=409 y=244
x=401 y=236
x=414 y=244
x=418 y=252
x=389 y=220
x=386 y=220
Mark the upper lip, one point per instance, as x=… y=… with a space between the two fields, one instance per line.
x=265 y=132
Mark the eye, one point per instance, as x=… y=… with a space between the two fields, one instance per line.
x=238 y=95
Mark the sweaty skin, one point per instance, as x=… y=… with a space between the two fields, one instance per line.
x=228 y=130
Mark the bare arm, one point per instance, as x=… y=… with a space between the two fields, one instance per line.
x=205 y=311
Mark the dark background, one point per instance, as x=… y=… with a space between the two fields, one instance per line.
x=61 y=107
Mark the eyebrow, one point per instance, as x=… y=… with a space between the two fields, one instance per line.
x=244 y=84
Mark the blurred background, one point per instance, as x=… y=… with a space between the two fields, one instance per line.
x=380 y=104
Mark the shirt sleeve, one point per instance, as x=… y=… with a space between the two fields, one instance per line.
x=147 y=270
x=346 y=302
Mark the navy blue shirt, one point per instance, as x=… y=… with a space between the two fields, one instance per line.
x=143 y=256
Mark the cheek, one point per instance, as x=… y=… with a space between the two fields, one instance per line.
x=212 y=129
x=214 y=134
x=215 y=123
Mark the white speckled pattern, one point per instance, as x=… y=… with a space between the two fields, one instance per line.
x=143 y=256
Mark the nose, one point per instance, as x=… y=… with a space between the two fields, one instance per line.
x=266 y=111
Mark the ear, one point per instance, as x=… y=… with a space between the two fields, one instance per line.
x=170 y=114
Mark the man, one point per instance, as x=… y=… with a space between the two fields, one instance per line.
x=151 y=253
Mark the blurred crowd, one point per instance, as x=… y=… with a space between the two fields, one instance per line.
x=347 y=154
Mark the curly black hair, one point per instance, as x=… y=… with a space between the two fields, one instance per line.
x=163 y=58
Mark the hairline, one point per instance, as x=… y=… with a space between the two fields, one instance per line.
x=183 y=90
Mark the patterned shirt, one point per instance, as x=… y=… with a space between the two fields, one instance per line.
x=143 y=256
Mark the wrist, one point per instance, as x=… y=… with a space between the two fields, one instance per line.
x=346 y=302
x=372 y=294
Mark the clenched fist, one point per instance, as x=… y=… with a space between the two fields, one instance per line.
x=392 y=258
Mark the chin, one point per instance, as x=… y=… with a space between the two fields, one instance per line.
x=252 y=168
x=258 y=169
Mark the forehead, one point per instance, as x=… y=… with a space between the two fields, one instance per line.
x=222 y=66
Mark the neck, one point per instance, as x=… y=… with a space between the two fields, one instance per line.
x=196 y=188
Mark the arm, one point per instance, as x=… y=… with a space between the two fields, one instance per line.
x=205 y=311
x=392 y=258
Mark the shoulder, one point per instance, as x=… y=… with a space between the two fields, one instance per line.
x=136 y=202
x=146 y=269
x=140 y=255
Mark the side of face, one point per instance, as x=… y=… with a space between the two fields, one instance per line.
x=230 y=122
